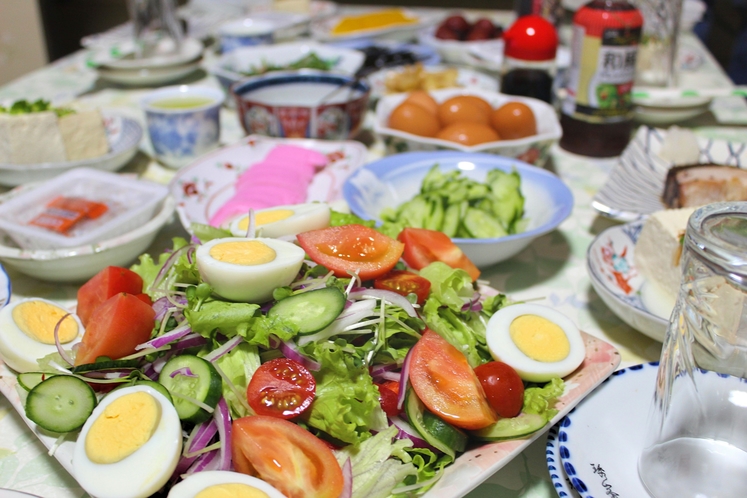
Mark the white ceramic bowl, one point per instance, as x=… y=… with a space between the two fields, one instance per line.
x=77 y=264
x=395 y=179
x=533 y=150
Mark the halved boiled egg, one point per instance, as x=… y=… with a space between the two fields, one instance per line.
x=538 y=342
x=27 y=332
x=221 y=484
x=248 y=270
x=129 y=446
x=281 y=221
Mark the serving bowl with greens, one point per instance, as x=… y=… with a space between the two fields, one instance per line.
x=492 y=206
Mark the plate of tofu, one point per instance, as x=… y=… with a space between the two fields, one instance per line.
x=39 y=145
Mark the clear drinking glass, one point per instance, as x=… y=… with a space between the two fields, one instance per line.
x=657 y=53
x=154 y=21
x=697 y=441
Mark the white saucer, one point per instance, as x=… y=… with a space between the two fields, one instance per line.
x=119 y=56
x=560 y=481
x=148 y=76
x=603 y=436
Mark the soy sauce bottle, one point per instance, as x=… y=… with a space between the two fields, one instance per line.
x=529 y=58
x=597 y=112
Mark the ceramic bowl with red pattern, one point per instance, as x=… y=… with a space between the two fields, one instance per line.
x=302 y=104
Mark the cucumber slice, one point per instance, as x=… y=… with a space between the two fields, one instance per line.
x=61 y=403
x=505 y=428
x=439 y=434
x=29 y=380
x=310 y=311
x=483 y=226
x=201 y=382
x=106 y=364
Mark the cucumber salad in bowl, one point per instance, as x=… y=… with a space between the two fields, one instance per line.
x=331 y=362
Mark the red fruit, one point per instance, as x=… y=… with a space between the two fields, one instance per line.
x=484 y=23
x=445 y=33
x=477 y=34
x=457 y=23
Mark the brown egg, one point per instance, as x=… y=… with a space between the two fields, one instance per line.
x=412 y=118
x=424 y=100
x=462 y=108
x=480 y=102
x=514 y=120
x=468 y=133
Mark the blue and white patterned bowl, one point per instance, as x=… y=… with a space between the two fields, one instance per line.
x=245 y=33
x=180 y=135
x=395 y=179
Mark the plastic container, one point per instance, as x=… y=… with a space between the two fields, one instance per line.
x=34 y=222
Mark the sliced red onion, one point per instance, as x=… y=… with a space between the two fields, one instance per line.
x=380 y=370
x=161 y=307
x=150 y=372
x=159 y=362
x=223 y=421
x=203 y=434
x=404 y=380
x=406 y=431
x=347 y=479
x=289 y=351
x=185 y=371
x=63 y=353
x=206 y=461
x=189 y=341
x=191 y=254
x=394 y=376
x=392 y=297
x=354 y=314
x=167 y=266
x=166 y=338
x=224 y=349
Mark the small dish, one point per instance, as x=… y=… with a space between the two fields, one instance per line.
x=609 y=468
x=395 y=179
x=121 y=55
x=152 y=76
x=610 y=263
x=635 y=185
x=534 y=149
x=322 y=29
x=204 y=186
x=456 y=51
x=124 y=136
x=560 y=481
x=302 y=104
x=240 y=63
x=371 y=47
x=466 y=79
x=246 y=32
x=77 y=264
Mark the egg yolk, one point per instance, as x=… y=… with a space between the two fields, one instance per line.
x=246 y=253
x=231 y=490
x=539 y=338
x=124 y=426
x=265 y=217
x=38 y=319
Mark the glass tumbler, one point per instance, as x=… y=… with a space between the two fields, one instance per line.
x=657 y=53
x=697 y=441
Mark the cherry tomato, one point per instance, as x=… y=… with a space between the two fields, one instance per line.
x=106 y=283
x=388 y=400
x=287 y=456
x=352 y=248
x=281 y=388
x=446 y=384
x=404 y=282
x=114 y=329
x=503 y=387
x=423 y=247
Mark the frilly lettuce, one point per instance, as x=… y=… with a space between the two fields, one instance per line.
x=540 y=400
x=238 y=366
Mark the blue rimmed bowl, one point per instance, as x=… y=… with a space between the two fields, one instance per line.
x=395 y=179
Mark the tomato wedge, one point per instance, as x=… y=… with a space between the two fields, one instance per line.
x=405 y=282
x=423 y=247
x=288 y=457
x=349 y=249
x=114 y=329
x=106 y=283
x=281 y=388
x=446 y=384
x=388 y=399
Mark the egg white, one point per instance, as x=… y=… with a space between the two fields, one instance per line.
x=140 y=474
x=305 y=217
x=21 y=352
x=250 y=283
x=503 y=348
x=192 y=485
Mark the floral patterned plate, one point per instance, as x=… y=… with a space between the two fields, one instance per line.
x=611 y=268
x=201 y=188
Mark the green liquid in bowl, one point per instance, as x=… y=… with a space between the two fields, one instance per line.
x=181 y=103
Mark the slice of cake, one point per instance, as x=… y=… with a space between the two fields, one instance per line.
x=659 y=247
x=84 y=135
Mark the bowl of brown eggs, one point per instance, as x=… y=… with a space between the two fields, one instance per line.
x=468 y=120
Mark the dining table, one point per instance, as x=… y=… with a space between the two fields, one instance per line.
x=551 y=270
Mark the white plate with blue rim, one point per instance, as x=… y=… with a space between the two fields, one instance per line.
x=610 y=264
x=635 y=185
x=560 y=481
x=601 y=439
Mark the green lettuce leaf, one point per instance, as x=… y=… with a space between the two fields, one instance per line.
x=238 y=366
x=540 y=400
x=448 y=285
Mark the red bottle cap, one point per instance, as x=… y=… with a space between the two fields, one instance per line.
x=531 y=38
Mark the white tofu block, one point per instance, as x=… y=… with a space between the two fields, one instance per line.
x=84 y=135
x=5 y=121
x=658 y=250
x=35 y=138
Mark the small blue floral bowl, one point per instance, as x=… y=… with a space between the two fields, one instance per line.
x=245 y=33
x=183 y=122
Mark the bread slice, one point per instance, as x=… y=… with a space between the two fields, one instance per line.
x=84 y=135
